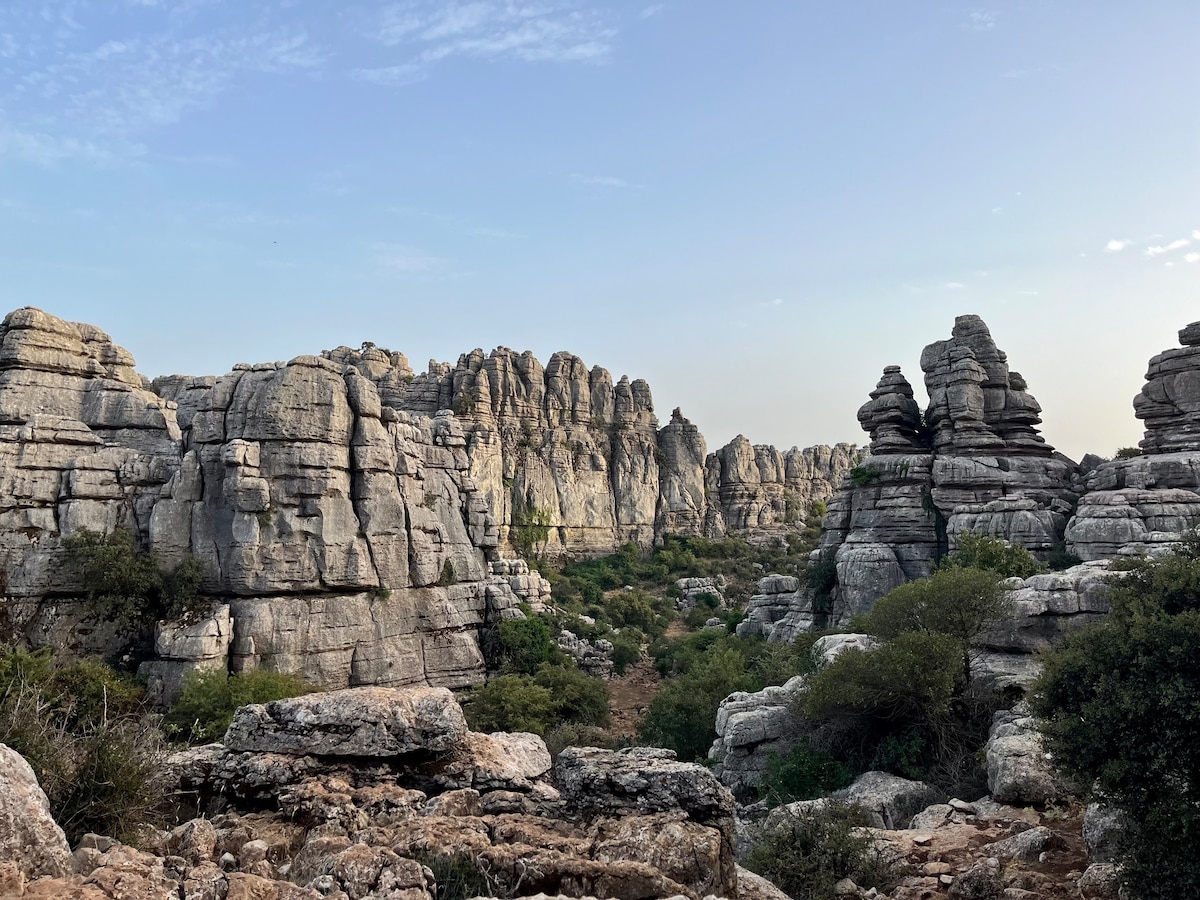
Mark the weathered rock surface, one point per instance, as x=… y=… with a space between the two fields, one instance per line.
x=350 y=513
x=1143 y=504
x=752 y=726
x=1019 y=770
x=361 y=722
x=974 y=465
x=635 y=823
x=29 y=837
x=889 y=799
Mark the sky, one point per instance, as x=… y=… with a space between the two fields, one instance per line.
x=754 y=206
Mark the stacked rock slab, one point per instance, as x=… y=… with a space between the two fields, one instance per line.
x=348 y=540
x=975 y=464
x=372 y=774
x=586 y=456
x=1145 y=503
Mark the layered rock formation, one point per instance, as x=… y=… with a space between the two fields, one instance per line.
x=585 y=453
x=350 y=516
x=349 y=539
x=1144 y=504
x=975 y=463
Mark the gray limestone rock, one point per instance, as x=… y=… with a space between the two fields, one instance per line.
x=361 y=722
x=890 y=799
x=752 y=726
x=29 y=837
x=892 y=416
x=1019 y=770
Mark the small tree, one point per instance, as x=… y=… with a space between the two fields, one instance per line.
x=957 y=601
x=1120 y=705
x=530 y=528
x=982 y=551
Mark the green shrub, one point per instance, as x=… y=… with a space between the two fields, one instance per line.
x=125 y=584
x=813 y=850
x=955 y=601
x=206 y=705
x=682 y=714
x=83 y=728
x=458 y=876
x=982 y=551
x=1128 y=453
x=578 y=698
x=626 y=652
x=804 y=773
x=510 y=703
x=1120 y=706
x=525 y=644
x=864 y=475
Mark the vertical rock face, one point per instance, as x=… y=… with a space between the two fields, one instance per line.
x=976 y=405
x=349 y=539
x=1145 y=503
x=975 y=464
x=1169 y=403
x=892 y=416
x=586 y=453
x=347 y=514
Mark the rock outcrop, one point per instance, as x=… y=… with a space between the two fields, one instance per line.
x=975 y=463
x=29 y=838
x=1145 y=503
x=349 y=539
x=350 y=517
x=630 y=823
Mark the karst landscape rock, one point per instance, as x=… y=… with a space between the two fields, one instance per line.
x=361 y=525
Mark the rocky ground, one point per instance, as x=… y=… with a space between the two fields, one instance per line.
x=383 y=794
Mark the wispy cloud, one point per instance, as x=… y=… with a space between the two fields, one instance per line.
x=68 y=95
x=403 y=259
x=979 y=20
x=954 y=285
x=1192 y=257
x=652 y=10
x=1116 y=245
x=609 y=181
x=1160 y=249
x=427 y=32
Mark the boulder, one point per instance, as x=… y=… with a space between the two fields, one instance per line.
x=29 y=836
x=358 y=722
x=1019 y=770
x=890 y=800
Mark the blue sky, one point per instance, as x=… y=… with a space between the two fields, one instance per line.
x=755 y=206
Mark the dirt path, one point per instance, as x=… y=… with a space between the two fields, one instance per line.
x=630 y=696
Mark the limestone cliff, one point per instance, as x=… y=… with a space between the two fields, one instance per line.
x=351 y=518
x=585 y=451
x=973 y=463
x=1144 y=504
x=349 y=540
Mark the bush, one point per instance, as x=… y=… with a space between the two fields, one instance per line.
x=626 y=652
x=682 y=713
x=557 y=694
x=813 y=850
x=804 y=773
x=958 y=602
x=458 y=875
x=1120 y=704
x=125 y=584
x=1128 y=452
x=982 y=551
x=864 y=475
x=83 y=728
x=204 y=710
x=525 y=644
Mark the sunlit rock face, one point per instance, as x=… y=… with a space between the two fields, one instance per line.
x=349 y=540
x=356 y=522
x=1144 y=504
x=585 y=453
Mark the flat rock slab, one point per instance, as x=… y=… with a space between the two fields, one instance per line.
x=366 y=722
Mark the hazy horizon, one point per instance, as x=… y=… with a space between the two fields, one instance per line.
x=754 y=209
